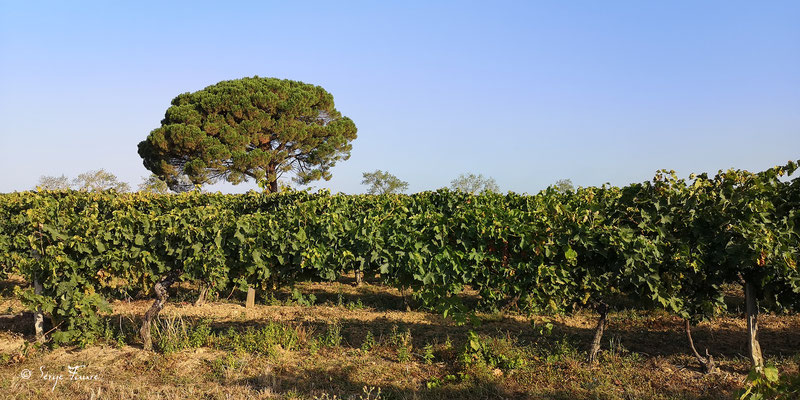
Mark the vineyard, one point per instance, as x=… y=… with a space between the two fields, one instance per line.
x=674 y=245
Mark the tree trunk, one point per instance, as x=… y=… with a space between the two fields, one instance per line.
x=602 y=309
x=359 y=277
x=751 y=306
x=161 y=299
x=405 y=300
x=272 y=178
x=201 y=298
x=38 y=317
x=707 y=363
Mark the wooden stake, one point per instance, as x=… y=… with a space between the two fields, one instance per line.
x=251 y=298
x=38 y=317
x=751 y=306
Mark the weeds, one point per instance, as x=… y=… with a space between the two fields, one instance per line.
x=402 y=343
x=492 y=352
x=264 y=340
x=333 y=336
x=368 y=393
x=436 y=382
x=173 y=333
x=558 y=350
x=427 y=354
x=770 y=385
x=227 y=366
x=303 y=300
x=369 y=342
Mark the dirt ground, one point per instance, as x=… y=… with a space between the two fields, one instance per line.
x=644 y=353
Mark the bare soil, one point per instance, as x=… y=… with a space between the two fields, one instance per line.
x=644 y=354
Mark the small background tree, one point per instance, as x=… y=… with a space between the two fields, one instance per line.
x=380 y=182
x=53 y=183
x=99 y=180
x=564 y=185
x=153 y=184
x=472 y=183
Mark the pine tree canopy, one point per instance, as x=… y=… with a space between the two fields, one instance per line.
x=259 y=128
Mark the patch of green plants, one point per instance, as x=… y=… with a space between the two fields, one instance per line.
x=427 y=355
x=226 y=366
x=271 y=300
x=437 y=382
x=332 y=336
x=299 y=298
x=557 y=349
x=616 y=351
x=369 y=342
x=357 y=305
x=263 y=340
x=492 y=352
x=543 y=327
x=402 y=343
x=173 y=333
x=770 y=384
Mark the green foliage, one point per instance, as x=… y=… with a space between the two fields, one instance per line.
x=91 y=181
x=380 y=182
x=437 y=382
x=355 y=305
x=559 y=350
x=492 y=352
x=474 y=184
x=564 y=185
x=53 y=183
x=769 y=384
x=332 y=336
x=369 y=342
x=543 y=328
x=153 y=184
x=226 y=366
x=171 y=334
x=427 y=354
x=99 y=180
x=670 y=244
x=264 y=340
x=303 y=300
x=255 y=127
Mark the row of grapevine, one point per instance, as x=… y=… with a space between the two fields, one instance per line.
x=669 y=243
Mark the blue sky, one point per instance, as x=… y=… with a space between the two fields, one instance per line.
x=525 y=92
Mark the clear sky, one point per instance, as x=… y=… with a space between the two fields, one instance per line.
x=525 y=92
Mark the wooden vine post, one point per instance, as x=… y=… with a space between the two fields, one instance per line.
x=251 y=298
x=38 y=317
x=753 y=347
x=201 y=298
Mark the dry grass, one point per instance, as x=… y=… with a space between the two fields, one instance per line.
x=644 y=354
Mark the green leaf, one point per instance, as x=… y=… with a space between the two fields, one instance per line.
x=771 y=373
x=570 y=254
